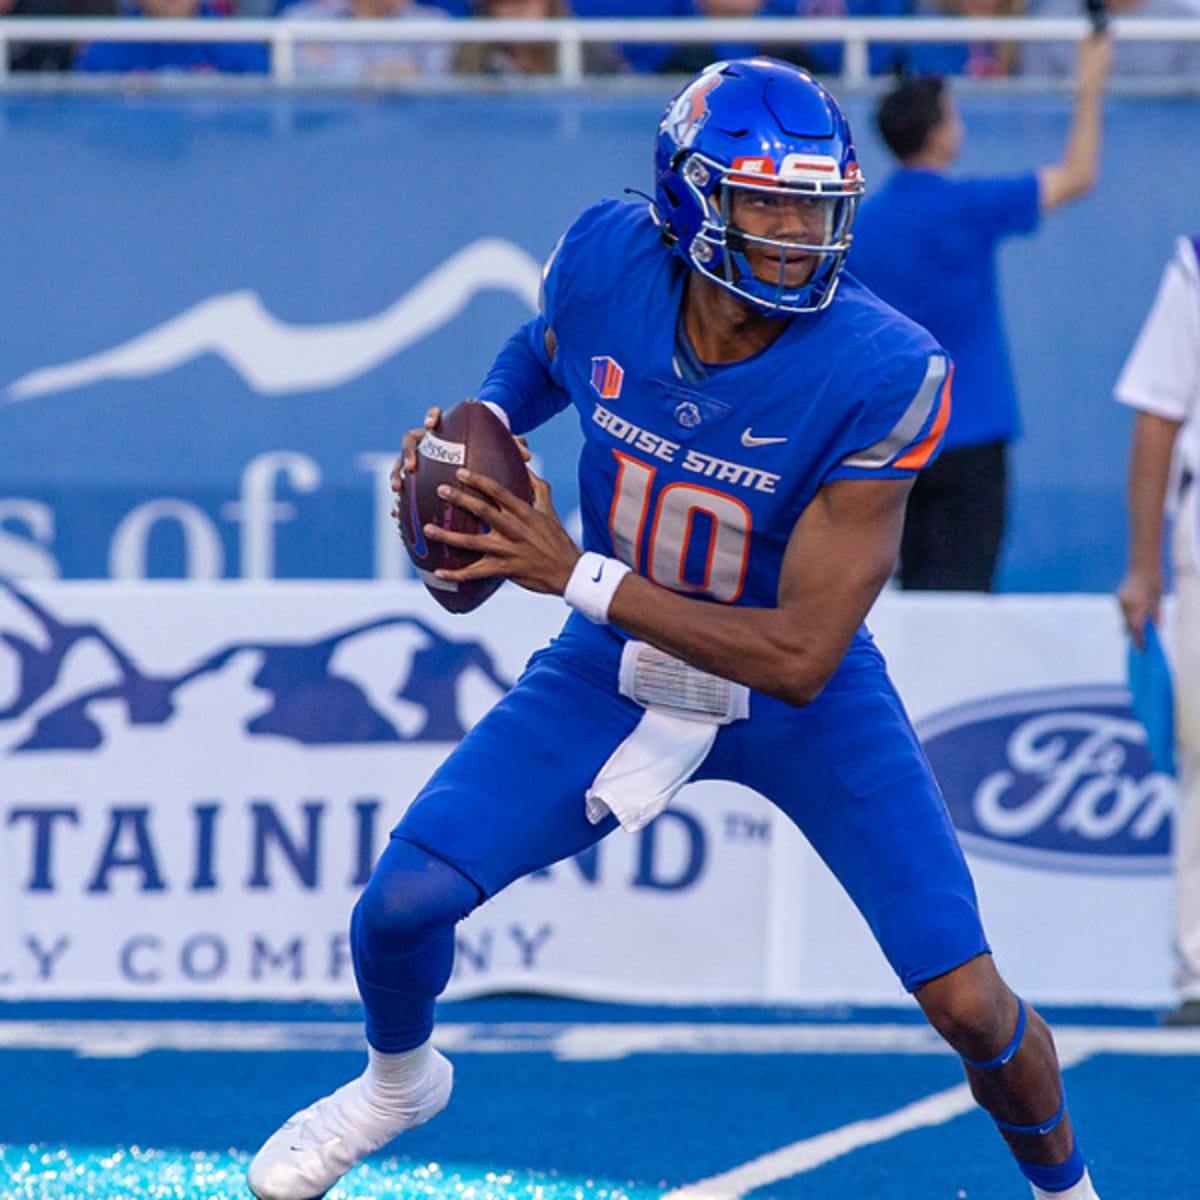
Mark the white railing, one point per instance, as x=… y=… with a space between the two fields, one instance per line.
x=855 y=34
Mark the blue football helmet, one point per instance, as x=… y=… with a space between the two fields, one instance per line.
x=762 y=132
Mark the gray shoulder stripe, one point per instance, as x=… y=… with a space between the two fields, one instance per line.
x=910 y=424
x=541 y=300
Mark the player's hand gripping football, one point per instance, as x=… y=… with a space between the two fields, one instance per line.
x=524 y=542
x=406 y=463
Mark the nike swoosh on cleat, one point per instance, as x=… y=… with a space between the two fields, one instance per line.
x=750 y=441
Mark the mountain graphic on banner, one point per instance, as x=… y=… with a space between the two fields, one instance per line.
x=307 y=692
x=274 y=357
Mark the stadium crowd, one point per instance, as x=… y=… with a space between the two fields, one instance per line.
x=381 y=61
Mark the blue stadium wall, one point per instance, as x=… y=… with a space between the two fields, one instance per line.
x=129 y=224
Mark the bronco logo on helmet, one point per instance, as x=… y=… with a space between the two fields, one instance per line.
x=689 y=111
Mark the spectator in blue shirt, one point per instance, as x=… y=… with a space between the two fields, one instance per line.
x=821 y=58
x=926 y=243
x=976 y=58
x=234 y=57
x=827 y=57
x=640 y=56
x=529 y=58
x=690 y=57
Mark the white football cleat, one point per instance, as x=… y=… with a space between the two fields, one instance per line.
x=313 y=1149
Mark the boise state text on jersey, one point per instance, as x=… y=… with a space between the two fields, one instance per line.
x=695 y=476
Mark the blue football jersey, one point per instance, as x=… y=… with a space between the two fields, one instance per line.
x=695 y=475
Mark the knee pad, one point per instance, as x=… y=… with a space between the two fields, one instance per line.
x=410 y=893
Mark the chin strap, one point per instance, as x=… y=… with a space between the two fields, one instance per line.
x=656 y=216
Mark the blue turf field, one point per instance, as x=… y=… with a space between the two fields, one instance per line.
x=557 y=1100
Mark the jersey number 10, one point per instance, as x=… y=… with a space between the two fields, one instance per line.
x=699 y=538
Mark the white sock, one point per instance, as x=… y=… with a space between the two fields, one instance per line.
x=400 y=1081
x=1082 y=1190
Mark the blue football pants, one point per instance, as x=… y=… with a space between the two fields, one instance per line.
x=847 y=769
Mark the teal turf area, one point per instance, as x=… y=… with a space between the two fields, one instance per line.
x=68 y=1172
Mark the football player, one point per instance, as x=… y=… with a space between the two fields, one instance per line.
x=753 y=422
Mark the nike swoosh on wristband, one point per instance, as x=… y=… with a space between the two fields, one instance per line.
x=599 y=572
x=750 y=441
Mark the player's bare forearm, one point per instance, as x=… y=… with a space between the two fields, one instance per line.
x=1140 y=592
x=777 y=651
x=1149 y=470
x=1075 y=174
x=840 y=555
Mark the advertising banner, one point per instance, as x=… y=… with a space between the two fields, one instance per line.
x=1021 y=704
x=198 y=778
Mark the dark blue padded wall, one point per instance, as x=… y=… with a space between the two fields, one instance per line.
x=122 y=214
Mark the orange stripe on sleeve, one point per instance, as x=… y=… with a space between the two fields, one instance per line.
x=921 y=453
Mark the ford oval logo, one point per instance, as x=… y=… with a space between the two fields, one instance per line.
x=1056 y=778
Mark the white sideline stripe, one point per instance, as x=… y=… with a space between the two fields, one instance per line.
x=814 y=1152
x=568 y=1043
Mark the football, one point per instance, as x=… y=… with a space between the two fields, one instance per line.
x=468 y=435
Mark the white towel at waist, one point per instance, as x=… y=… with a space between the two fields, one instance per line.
x=648 y=768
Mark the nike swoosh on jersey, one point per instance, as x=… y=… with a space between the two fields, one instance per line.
x=750 y=441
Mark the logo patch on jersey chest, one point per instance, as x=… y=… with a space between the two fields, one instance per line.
x=607 y=377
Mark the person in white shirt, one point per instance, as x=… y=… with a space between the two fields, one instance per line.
x=1161 y=380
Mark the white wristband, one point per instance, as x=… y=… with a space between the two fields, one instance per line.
x=592 y=584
